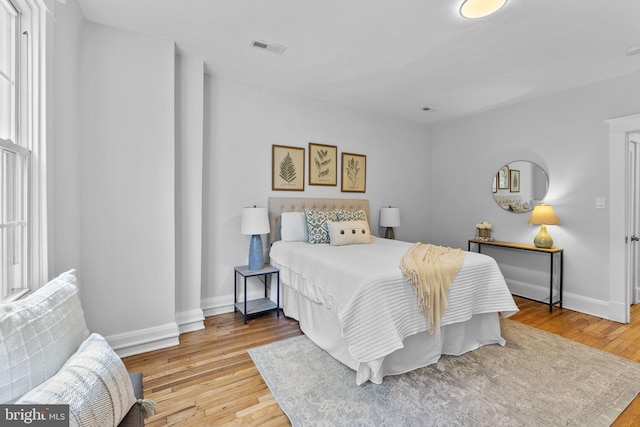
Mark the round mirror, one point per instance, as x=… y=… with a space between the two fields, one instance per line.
x=519 y=186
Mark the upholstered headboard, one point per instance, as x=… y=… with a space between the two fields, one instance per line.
x=277 y=205
x=505 y=201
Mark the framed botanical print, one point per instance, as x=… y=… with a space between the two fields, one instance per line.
x=287 y=168
x=354 y=173
x=323 y=164
x=503 y=178
x=514 y=181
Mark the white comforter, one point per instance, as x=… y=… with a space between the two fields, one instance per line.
x=376 y=307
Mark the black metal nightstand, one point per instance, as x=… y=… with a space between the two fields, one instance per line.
x=259 y=305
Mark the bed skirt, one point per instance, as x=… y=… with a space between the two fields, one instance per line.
x=322 y=327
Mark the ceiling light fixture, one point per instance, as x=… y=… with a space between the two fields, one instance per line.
x=473 y=9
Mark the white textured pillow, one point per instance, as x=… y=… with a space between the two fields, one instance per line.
x=293 y=227
x=38 y=334
x=94 y=383
x=348 y=232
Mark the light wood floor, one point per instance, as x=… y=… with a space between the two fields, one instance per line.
x=210 y=380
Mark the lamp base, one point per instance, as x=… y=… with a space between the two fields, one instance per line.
x=256 y=255
x=543 y=239
x=389 y=234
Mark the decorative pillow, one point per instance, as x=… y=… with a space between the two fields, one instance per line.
x=293 y=227
x=94 y=383
x=359 y=215
x=317 y=225
x=38 y=334
x=349 y=232
x=344 y=215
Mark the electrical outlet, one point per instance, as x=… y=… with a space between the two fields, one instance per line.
x=600 y=203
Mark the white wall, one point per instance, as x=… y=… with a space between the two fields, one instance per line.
x=188 y=205
x=63 y=148
x=126 y=158
x=566 y=135
x=242 y=124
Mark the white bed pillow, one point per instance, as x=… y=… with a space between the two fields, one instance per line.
x=94 y=383
x=348 y=232
x=38 y=334
x=293 y=227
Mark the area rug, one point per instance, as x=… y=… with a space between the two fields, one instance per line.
x=537 y=379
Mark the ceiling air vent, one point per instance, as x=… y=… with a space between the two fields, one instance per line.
x=269 y=47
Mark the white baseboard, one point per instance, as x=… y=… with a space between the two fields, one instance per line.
x=190 y=320
x=570 y=301
x=217 y=305
x=144 y=340
x=618 y=312
x=586 y=305
x=527 y=290
x=224 y=304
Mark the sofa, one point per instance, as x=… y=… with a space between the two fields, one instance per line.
x=48 y=356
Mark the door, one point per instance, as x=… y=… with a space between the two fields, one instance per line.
x=633 y=215
x=621 y=284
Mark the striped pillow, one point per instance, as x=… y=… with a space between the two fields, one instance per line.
x=293 y=227
x=94 y=383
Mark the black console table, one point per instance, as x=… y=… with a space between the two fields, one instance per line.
x=553 y=252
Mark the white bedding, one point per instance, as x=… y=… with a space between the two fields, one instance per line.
x=375 y=307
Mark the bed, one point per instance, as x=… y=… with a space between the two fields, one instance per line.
x=353 y=301
x=513 y=203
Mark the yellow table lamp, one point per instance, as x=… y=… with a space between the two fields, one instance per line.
x=543 y=215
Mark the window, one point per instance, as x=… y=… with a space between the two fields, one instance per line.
x=22 y=253
x=8 y=70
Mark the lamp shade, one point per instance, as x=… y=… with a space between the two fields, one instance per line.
x=543 y=214
x=390 y=217
x=255 y=221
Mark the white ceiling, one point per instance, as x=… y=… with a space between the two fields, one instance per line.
x=396 y=56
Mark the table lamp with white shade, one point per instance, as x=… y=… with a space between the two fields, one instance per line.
x=543 y=215
x=255 y=221
x=389 y=217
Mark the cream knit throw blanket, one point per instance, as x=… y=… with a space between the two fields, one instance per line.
x=431 y=269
